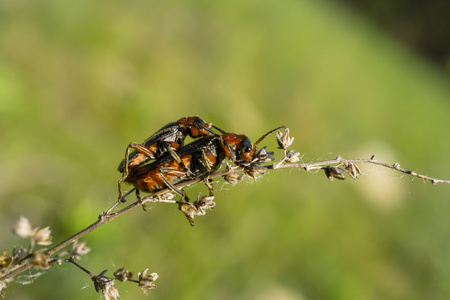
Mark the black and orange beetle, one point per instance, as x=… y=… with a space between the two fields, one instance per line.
x=165 y=141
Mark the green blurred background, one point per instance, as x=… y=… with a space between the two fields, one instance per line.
x=80 y=80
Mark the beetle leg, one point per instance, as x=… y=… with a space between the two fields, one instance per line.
x=140 y=148
x=173 y=188
x=231 y=151
x=208 y=183
x=178 y=160
x=172 y=152
x=122 y=200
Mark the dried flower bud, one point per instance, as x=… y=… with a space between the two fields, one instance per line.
x=40 y=260
x=146 y=281
x=205 y=202
x=123 y=275
x=253 y=173
x=19 y=253
x=42 y=236
x=197 y=208
x=283 y=139
x=292 y=156
x=106 y=286
x=109 y=291
x=23 y=228
x=332 y=172
x=5 y=260
x=79 y=249
x=232 y=178
x=352 y=170
x=189 y=210
x=262 y=156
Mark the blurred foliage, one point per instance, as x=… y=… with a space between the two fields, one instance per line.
x=421 y=25
x=79 y=80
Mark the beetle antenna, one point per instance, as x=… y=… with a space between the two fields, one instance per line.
x=217 y=128
x=265 y=135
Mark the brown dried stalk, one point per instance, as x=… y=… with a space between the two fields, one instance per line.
x=335 y=168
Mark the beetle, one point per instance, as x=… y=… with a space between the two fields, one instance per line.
x=197 y=160
x=166 y=140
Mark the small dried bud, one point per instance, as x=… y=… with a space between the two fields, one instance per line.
x=189 y=210
x=109 y=291
x=253 y=173
x=352 y=170
x=197 y=208
x=42 y=236
x=19 y=253
x=79 y=249
x=283 y=139
x=292 y=156
x=23 y=228
x=262 y=156
x=232 y=178
x=205 y=202
x=146 y=281
x=5 y=260
x=106 y=286
x=332 y=172
x=40 y=260
x=123 y=275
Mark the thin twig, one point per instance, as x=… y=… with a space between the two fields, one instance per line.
x=372 y=160
x=108 y=217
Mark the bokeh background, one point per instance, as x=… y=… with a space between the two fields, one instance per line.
x=79 y=80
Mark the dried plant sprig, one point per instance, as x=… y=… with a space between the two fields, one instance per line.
x=336 y=168
x=105 y=284
x=146 y=281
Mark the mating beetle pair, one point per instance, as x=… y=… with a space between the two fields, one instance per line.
x=162 y=161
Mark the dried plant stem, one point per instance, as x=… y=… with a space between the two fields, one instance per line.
x=156 y=197
x=372 y=160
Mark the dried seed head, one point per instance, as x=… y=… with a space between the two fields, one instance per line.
x=123 y=274
x=109 y=291
x=292 y=156
x=23 y=228
x=40 y=260
x=189 y=210
x=333 y=172
x=254 y=173
x=197 y=208
x=42 y=236
x=146 y=281
x=205 y=202
x=79 y=249
x=19 y=253
x=5 y=260
x=232 y=178
x=263 y=156
x=352 y=170
x=106 y=286
x=283 y=139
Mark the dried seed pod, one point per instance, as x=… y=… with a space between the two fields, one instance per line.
x=292 y=156
x=283 y=139
x=353 y=170
x=123 y=274
x=333 y=172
